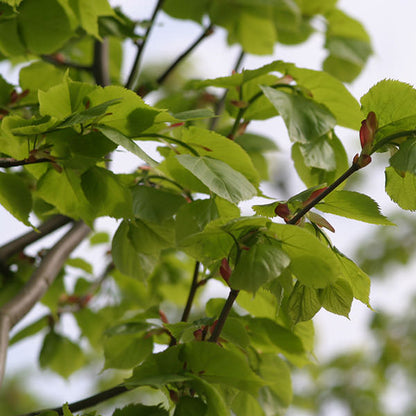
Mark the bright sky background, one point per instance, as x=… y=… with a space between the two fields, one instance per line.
x=391 y=28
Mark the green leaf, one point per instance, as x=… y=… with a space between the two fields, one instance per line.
x=106 y=194
x=312 y=262
x=190 y=406
x=15 y=197
x=60 y=355
x=219 y=177
x=126 y=257
x=193 y=217
x=303 y=303
x=197 y=114
x=358 y=280
x=64 y=191
x=337 y=297
x=183 y=9
x=63 y=99
x=29 y=330
x=245 y=404
x=276 y=373
x=99 y=238
x=312 y=176
x=159 y=369
x=141 y=410
x=10 y=40
x=234 y=331
x=216 y=146
x=391 y=100
x=256 y=143
x=80 y=263
x=304 y=118
x=19 y=126
x=404 y=160
x=5 y=92
x=126 y=350
x=401 y=189
x=263 y=304
x=259 y=264
x=45 y=25
x=353 y=205
x=218 y=365
x=318 y=153
x=155 y=205
x=131 y=116
x=120 y=139
x=266 y=332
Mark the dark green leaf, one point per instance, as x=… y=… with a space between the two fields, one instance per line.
x=303 y=303
x=304 y=118
x=337 y=297
x=258 y=265
x=141 y=410
x=190 y=406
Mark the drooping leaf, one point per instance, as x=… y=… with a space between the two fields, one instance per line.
x=259 y=264
x=303 y=303
x=304 y=118
x=318 y=153
x=353 y=205
x=310 y=260
x=219 y=177
x=401 y=189
x=126 y=257
x=60 y=355
x=15 y=196
x=337 y=297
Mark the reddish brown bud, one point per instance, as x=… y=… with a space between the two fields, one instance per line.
x=313 y=195
x=179 y=124
x=367 y=131
x=163 y=317
x=239 y=103
x=225 y=270
x=283 y=211
x=199 y=334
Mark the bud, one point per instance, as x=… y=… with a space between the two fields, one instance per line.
x=283 y=211
x=367 y=132
x=225 y=270
x=314 y=195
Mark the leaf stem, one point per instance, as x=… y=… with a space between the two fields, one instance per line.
x=208 y=31
x=393 y=136
x=170 y=139
x=224 y=315
x=131 y=81
x=9 y=162
x=66 y=64
x=353 y=168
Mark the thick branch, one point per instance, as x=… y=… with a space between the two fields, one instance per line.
x=207 y=32
x=15 y=246
x=88 y=402
x=14 y=310
x=9 y=162
x=100 y=66
x=140 y=48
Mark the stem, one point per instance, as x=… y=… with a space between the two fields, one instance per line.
x=224 y=315
x=85 y=403
x=140 y=47
x=170 y=139
x=66 y=64
x=192 y=292
x=15 y=246
x=9 y=162
x=219 y=108
x=209 y=30
x=388 y=139
x=353 y=168
x=100 y=67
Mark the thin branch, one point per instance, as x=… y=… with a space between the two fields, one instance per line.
x=9 y=162
x=14 y=310
x=140 y=48
x=224 y=315
x=353 y=168
x=219 y=108
x=192 y=292
x=17 y=245
x=101 y=62
x=208 y=31
x=55 y=60
x=86 y=403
